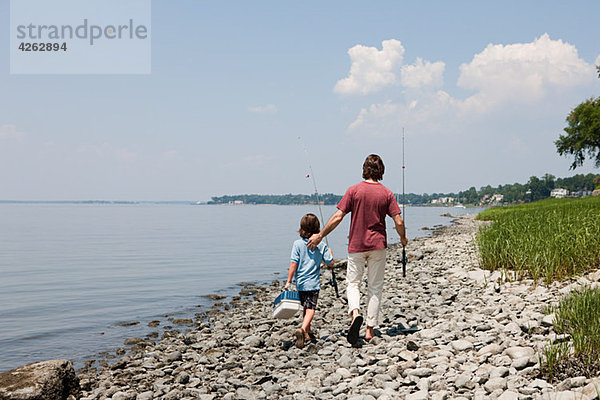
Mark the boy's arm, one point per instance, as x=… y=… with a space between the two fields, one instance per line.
x=291 y=273
x=332 y=259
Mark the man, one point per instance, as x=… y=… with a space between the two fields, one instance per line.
x=368 y=202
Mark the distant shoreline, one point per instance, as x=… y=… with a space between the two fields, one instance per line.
x=184 y=202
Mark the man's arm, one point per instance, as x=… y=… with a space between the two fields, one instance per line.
x=400 y=229
x=333 y=222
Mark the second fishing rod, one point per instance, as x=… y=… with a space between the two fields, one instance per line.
x=333 y=280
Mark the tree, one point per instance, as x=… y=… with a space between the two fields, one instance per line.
x=539 y=188
x=583 y=132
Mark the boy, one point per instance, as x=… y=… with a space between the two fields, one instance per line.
x=305 y=266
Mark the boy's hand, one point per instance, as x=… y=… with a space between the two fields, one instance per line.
x=287 y=286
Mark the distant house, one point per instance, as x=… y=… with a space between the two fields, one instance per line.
x=559 y=193
x=581 y=193
x=497 y=198
x=443 y=200
x=491 y=199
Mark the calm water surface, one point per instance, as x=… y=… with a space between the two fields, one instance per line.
x=70 y=272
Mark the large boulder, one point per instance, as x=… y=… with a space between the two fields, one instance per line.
x=46 y=380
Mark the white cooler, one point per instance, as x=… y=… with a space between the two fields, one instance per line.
x=286 y=304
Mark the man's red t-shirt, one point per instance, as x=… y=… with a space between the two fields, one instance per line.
x=368 y=203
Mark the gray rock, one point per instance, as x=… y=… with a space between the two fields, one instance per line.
x=564 y=385
x=461 y=345
x=305 y=385
x=183 y=378
x=133 y=340
x=174 y=395
x=148 y=395
x=253 y=341
x=420 y=372
x=123 y=396
x=345 y=361
x=174 y=356
x=407 y=355
x=509 y=395
x=491 y=349
x=499 y=372
x=520 y=363
x=462 y=380
x=548 y=320
x=592 y=389
x=430 y=333
x=48 y=380
x=495 y=384
x=578 y=381
x=519 y=352
x=566 y=395
x=420 y=395
x=343 y=372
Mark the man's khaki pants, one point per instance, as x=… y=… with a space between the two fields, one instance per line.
x=375 y=263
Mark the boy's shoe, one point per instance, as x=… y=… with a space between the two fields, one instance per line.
x=310 y=337
x=299 y=338
x=354 y=330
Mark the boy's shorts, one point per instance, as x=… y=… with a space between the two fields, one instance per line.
x=308 y=299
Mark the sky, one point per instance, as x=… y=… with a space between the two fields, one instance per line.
x=481 y=90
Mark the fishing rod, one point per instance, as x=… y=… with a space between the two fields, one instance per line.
x=332 y=281
x=404 y=260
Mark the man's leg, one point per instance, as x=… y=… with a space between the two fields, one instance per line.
x=354 y=273
x=375 y=276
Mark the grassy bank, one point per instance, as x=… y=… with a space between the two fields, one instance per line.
x=578 y=317
x=549 y=239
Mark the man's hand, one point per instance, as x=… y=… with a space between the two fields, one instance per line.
x=333 y=222
x=287 y=286
x=404 y=240
x=314 y=241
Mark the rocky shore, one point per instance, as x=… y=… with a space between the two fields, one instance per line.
x=479 y=337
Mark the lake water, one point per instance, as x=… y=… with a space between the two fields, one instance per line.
x=69 y=273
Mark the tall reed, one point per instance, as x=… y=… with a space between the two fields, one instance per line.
x=550 y=239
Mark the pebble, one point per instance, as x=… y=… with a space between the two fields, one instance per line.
x=479 y=337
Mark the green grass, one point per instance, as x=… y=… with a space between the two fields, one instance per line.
x=577 y=315
x=550 y=239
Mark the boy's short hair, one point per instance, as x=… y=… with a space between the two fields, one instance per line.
x=309 y=225
x=373 y=168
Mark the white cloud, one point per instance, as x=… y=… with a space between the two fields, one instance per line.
x=372 y=69
x=108 y=150
x=515 y=77
x=422 y=74
x=268 y=109
x=10 y=132
x=524 y=72
x=432 y=110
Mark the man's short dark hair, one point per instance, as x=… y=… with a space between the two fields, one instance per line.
x=373 y=168
x=309 y=225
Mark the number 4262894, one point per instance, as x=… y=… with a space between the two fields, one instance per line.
x=43 y=46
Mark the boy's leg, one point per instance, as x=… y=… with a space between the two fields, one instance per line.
x=375 y=277
x=310 y=304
